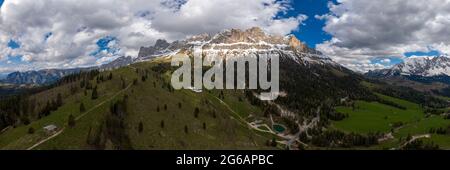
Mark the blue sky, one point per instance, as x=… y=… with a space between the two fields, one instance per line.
x=357 y=44
x=311 y=32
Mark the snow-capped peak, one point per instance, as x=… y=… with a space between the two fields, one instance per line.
x=252 y=41
x=426 y=66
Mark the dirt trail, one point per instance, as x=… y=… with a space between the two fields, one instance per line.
x=79 y=117
x=415 y=138
x=46 y=139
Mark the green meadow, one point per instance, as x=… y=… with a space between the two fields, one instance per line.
x=369 y=117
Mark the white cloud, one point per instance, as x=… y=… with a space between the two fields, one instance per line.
x=367 y=29
x=385 y=61
x=76 y=25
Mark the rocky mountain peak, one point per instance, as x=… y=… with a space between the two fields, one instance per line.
x=252 y=35
x=161 y=44
x=418 y=66
x=253 y=40
x=199 y=38
x=296 y=44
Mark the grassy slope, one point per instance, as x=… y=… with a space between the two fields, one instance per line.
x=376 y=117
x=373 y=116
x=226 y=131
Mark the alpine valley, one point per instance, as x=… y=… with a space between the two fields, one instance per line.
x=130 y=103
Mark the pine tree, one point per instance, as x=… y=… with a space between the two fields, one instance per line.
x=141 y=127
x=196 y=112
x=273 y=143
x=31 y=130
x=59 y=100
x=94 y=93
x=54 y=105
x=124 y=85
x=82 y=108
x=71 y=121
x=110 y=76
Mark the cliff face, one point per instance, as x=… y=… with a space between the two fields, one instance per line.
x=159 y=45
x=233 y=39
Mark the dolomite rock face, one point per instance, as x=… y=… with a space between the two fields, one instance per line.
x=236 y=42
x=159 y=46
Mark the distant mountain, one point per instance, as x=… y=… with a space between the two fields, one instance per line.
x=420 y=69
x=46 y=76
x=426 y=74
x=311 y=86
x=3 y=76
x=417 y=66
x=119 y=62
x=49 y=76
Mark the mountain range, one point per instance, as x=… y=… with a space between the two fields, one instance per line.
x=417 y=66
x=426 y=70
x=49 y=76
x=130 y=104
x=247 y=41
x=426 y=74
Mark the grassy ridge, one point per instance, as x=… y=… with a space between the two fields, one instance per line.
x=159 y=118
x=222 y=129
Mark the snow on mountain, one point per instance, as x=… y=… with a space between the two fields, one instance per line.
x=49 y=76
x=417 y=66
x=46 y=76
x=234 y=42
x=249 y=42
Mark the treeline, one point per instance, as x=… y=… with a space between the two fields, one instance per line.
x=440 y=130
x=15 y=109
x=335 y=138
x=413 y=96
x=112 y=129
x=52 y=105
x=390 y=103
x=310 y=85
x=443 y=92
x=23 y=108
x=88 y=75
x=419 y=144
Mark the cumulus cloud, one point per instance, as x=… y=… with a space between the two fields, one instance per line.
x=365 y=29
x=55 y=33
x=385 y=61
